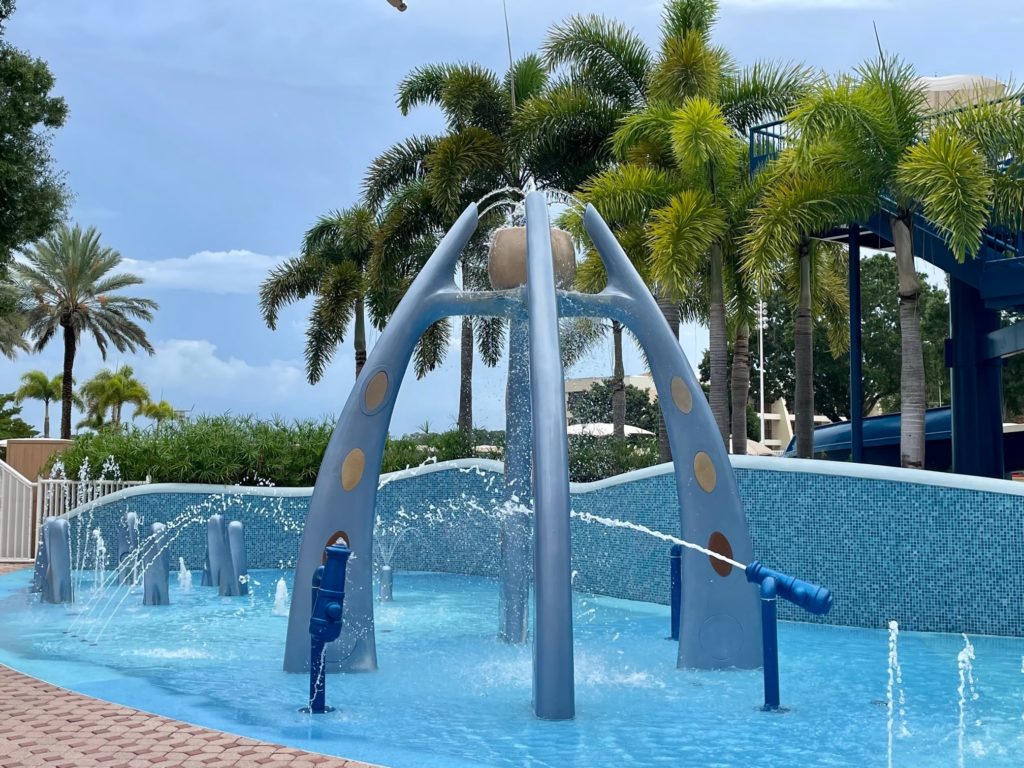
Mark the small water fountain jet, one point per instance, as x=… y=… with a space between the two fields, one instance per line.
x=99 y=561
x=184 y=576
x=157 y=570
x=895 y=701
x=965 y=693
x=386 y=539
x=281 y=602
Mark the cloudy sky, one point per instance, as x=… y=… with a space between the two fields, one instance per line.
x=205 y=135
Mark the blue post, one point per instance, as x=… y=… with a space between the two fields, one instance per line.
x=325 y=622
x=675 y=559
x=977 y=385
x=856 y=355
x=770 y=641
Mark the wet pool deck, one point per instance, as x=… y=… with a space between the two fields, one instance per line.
x=41 y=724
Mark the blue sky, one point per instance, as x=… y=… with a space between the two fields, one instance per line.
x=205 y=136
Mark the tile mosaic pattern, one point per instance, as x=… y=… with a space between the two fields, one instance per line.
x=42 y=725
x=933 y=558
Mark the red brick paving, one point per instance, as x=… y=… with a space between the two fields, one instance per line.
x=42 y=725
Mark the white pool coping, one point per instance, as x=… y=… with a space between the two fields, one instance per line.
x=761 y=463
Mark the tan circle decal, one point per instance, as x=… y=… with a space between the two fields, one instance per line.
x=681 y=395
x=704 y=469
x=352 y=469
x=720 y=544
x=376 y=391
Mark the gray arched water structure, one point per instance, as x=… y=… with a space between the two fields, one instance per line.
x=720 y=619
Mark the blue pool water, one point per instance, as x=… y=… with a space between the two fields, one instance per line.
x=448 y=694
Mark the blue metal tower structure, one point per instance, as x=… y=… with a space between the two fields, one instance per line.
x=979 y=290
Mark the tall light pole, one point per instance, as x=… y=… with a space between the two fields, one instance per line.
x=760 y=355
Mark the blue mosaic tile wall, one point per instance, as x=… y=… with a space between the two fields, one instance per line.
x=933 y=558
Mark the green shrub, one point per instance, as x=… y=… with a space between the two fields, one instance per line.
x=243 y=450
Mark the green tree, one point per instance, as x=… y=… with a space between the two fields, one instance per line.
x=157 y=411
x=11 y=423
x=34 y=196
x=12 y=321
x=595 y=406
x=679 y=188
x=866 y=140
x=881 y=347
x=110 y=391
x=36 y=385
x=332 y=267
x=68 y=285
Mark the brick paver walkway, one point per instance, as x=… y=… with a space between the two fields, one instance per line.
x=43 y=725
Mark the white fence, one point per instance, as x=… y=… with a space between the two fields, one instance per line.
x=15 y=514
x=24 y=506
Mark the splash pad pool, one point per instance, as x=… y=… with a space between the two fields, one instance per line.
x=449 y=694
x=443 y=665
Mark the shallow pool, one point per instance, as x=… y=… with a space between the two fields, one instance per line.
x=448 y=693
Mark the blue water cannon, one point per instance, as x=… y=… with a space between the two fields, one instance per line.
x=329 y=584
x=325 y=621
x=810 y=597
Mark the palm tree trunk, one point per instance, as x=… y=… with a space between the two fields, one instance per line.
x=912 y=378
x=670 y=311
x=66 y=390
x=359 y=337
x=618 y=383
x=803 y=333
x=466 y=379
x=46 y=418
x=719 y=348
x=740 y=388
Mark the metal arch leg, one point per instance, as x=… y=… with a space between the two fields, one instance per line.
x=720 y=625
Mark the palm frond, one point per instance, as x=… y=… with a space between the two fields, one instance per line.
x=397 y=166
x=603 y=55
x=763 y=92
x=681 y=234
x=947 y=174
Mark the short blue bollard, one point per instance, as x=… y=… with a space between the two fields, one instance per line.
x=325 y=622
x=675 y=559
x=810 y=597
x=770 y=644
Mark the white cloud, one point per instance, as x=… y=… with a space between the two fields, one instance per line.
x=234 y=271
x=192 y=369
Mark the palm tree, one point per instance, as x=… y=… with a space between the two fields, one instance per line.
x=423 y=183
x=691 y=85
x=860 y=144
x=332 y=267
x=67 y=284
x=111 y=390
x=36 y=385
x=158 y=412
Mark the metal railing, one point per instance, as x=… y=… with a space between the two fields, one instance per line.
x=24 y=506
x=59 y=497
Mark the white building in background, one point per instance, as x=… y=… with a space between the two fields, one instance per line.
x=779 y=423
